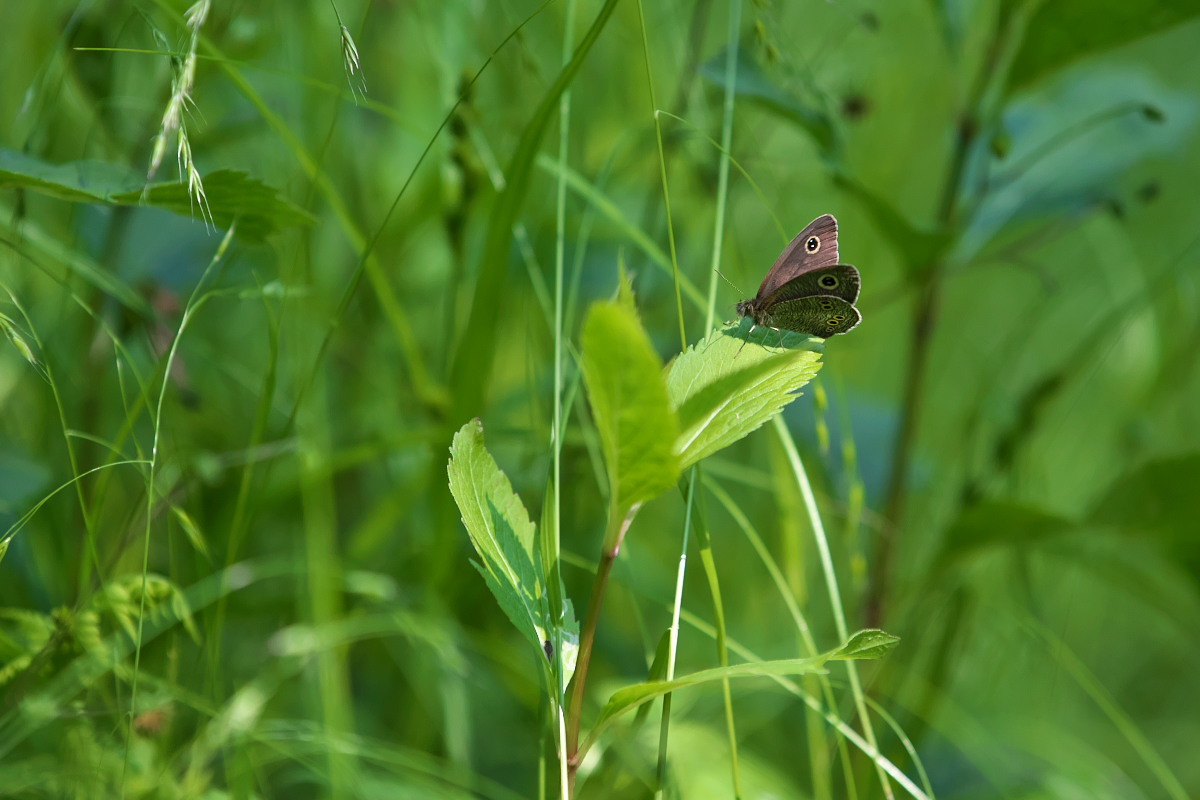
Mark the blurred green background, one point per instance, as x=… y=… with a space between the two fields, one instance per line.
x=1005 y=453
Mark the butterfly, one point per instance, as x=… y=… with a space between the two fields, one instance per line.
x=807 y=290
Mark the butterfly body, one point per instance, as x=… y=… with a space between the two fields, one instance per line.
x=806 y=290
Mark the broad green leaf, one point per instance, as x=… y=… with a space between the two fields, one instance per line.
x=636 y=424
x=85 y=181
x=231 y=195
x=734 y=381
x=500 y=531
x=1062 y=31
x=1072 y=140
x=869 y=643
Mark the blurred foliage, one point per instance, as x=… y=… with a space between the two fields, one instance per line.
x=230 y=562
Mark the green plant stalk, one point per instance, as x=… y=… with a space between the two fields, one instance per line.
x=662 y=171
x=731 y=59
x=706 y=551
x=818 y=749
x=708 y=559
x=553 y=542
x=831 y=583
x=85 y=510
x=195 y=303
x=664 y=727
x=618 y=526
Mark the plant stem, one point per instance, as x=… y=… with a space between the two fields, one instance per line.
x=608 y=556
x=922 y=324
x=991 y=75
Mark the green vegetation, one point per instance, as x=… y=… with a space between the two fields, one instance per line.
x=371 y=426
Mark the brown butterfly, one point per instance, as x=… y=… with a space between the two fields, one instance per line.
x=807 y=290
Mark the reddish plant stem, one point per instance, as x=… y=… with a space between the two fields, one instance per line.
x=924 y=321
x=608 y=556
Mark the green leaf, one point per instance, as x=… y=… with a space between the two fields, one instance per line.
x=631 y=697
x=754 y=84
x=500 y=531
x=88 y=181
x=636 y=424
x=1063 y=31
x=869 y=643
x=734 y=381
x=231 y=195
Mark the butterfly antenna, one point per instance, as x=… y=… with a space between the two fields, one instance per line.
x=731 y=283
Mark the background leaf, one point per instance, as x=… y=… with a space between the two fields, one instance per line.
x=231 y=195
x=1062 y=31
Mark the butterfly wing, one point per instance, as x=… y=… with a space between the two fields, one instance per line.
x=816 y=315
x=839 y=280
x=814 y=247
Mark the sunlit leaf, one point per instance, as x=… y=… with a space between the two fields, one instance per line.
x=866 y=644
x=734 y=381
x=631 y=697
x=499 y=529
x=625 y=386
